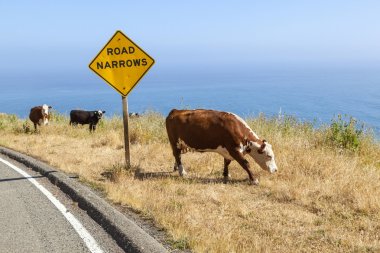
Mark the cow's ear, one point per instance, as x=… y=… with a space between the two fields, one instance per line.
x=103 y=112
x=50 y=107
x=262 y=147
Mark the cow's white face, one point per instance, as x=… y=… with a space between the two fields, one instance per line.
x=99 y=114
x=45 y=113
x=263 y=155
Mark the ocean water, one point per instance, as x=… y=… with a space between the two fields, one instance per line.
x=310 y=94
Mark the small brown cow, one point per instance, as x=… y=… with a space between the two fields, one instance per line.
x=221 y=132
x=39 y=115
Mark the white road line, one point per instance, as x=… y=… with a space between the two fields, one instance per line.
x=82 y=231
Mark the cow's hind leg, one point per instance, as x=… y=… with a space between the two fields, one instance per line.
x=178 y=163
x=226 y=175
x=245 y=164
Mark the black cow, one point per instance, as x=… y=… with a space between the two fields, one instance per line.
x=86 y=117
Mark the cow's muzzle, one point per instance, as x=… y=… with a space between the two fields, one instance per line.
x=273 y=169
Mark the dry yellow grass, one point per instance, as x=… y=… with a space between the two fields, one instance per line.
x=323 y=199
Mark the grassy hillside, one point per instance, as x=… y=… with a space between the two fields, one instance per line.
x=325 y=197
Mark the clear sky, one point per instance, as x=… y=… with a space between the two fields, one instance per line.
x=39 y=36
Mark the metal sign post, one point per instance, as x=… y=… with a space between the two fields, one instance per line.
x=122 y=64
x=126 y=131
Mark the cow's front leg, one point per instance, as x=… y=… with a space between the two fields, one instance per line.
x=226 y=175
x=92 y=127
x=245 y=164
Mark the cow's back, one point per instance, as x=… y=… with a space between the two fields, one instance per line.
x=79 y=116
x=204 y=129
x=35 y=114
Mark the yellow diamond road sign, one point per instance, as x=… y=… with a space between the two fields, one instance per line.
x=121 y=63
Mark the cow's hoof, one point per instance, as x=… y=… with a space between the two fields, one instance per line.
x=254 y=182
x=227 y=176
x=225 y=180
x=181 y=171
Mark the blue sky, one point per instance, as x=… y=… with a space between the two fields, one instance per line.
x=55 y=36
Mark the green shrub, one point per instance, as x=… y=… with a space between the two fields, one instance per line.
x=7 y=120
x=345 y=133
x=2 y=125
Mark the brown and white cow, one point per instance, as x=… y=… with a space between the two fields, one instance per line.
x=39 y=115
x=221 y=132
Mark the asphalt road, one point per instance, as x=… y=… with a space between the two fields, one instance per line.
x=30 y=222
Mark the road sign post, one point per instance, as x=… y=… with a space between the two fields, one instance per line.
x=122 y=64
x=126 y=131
